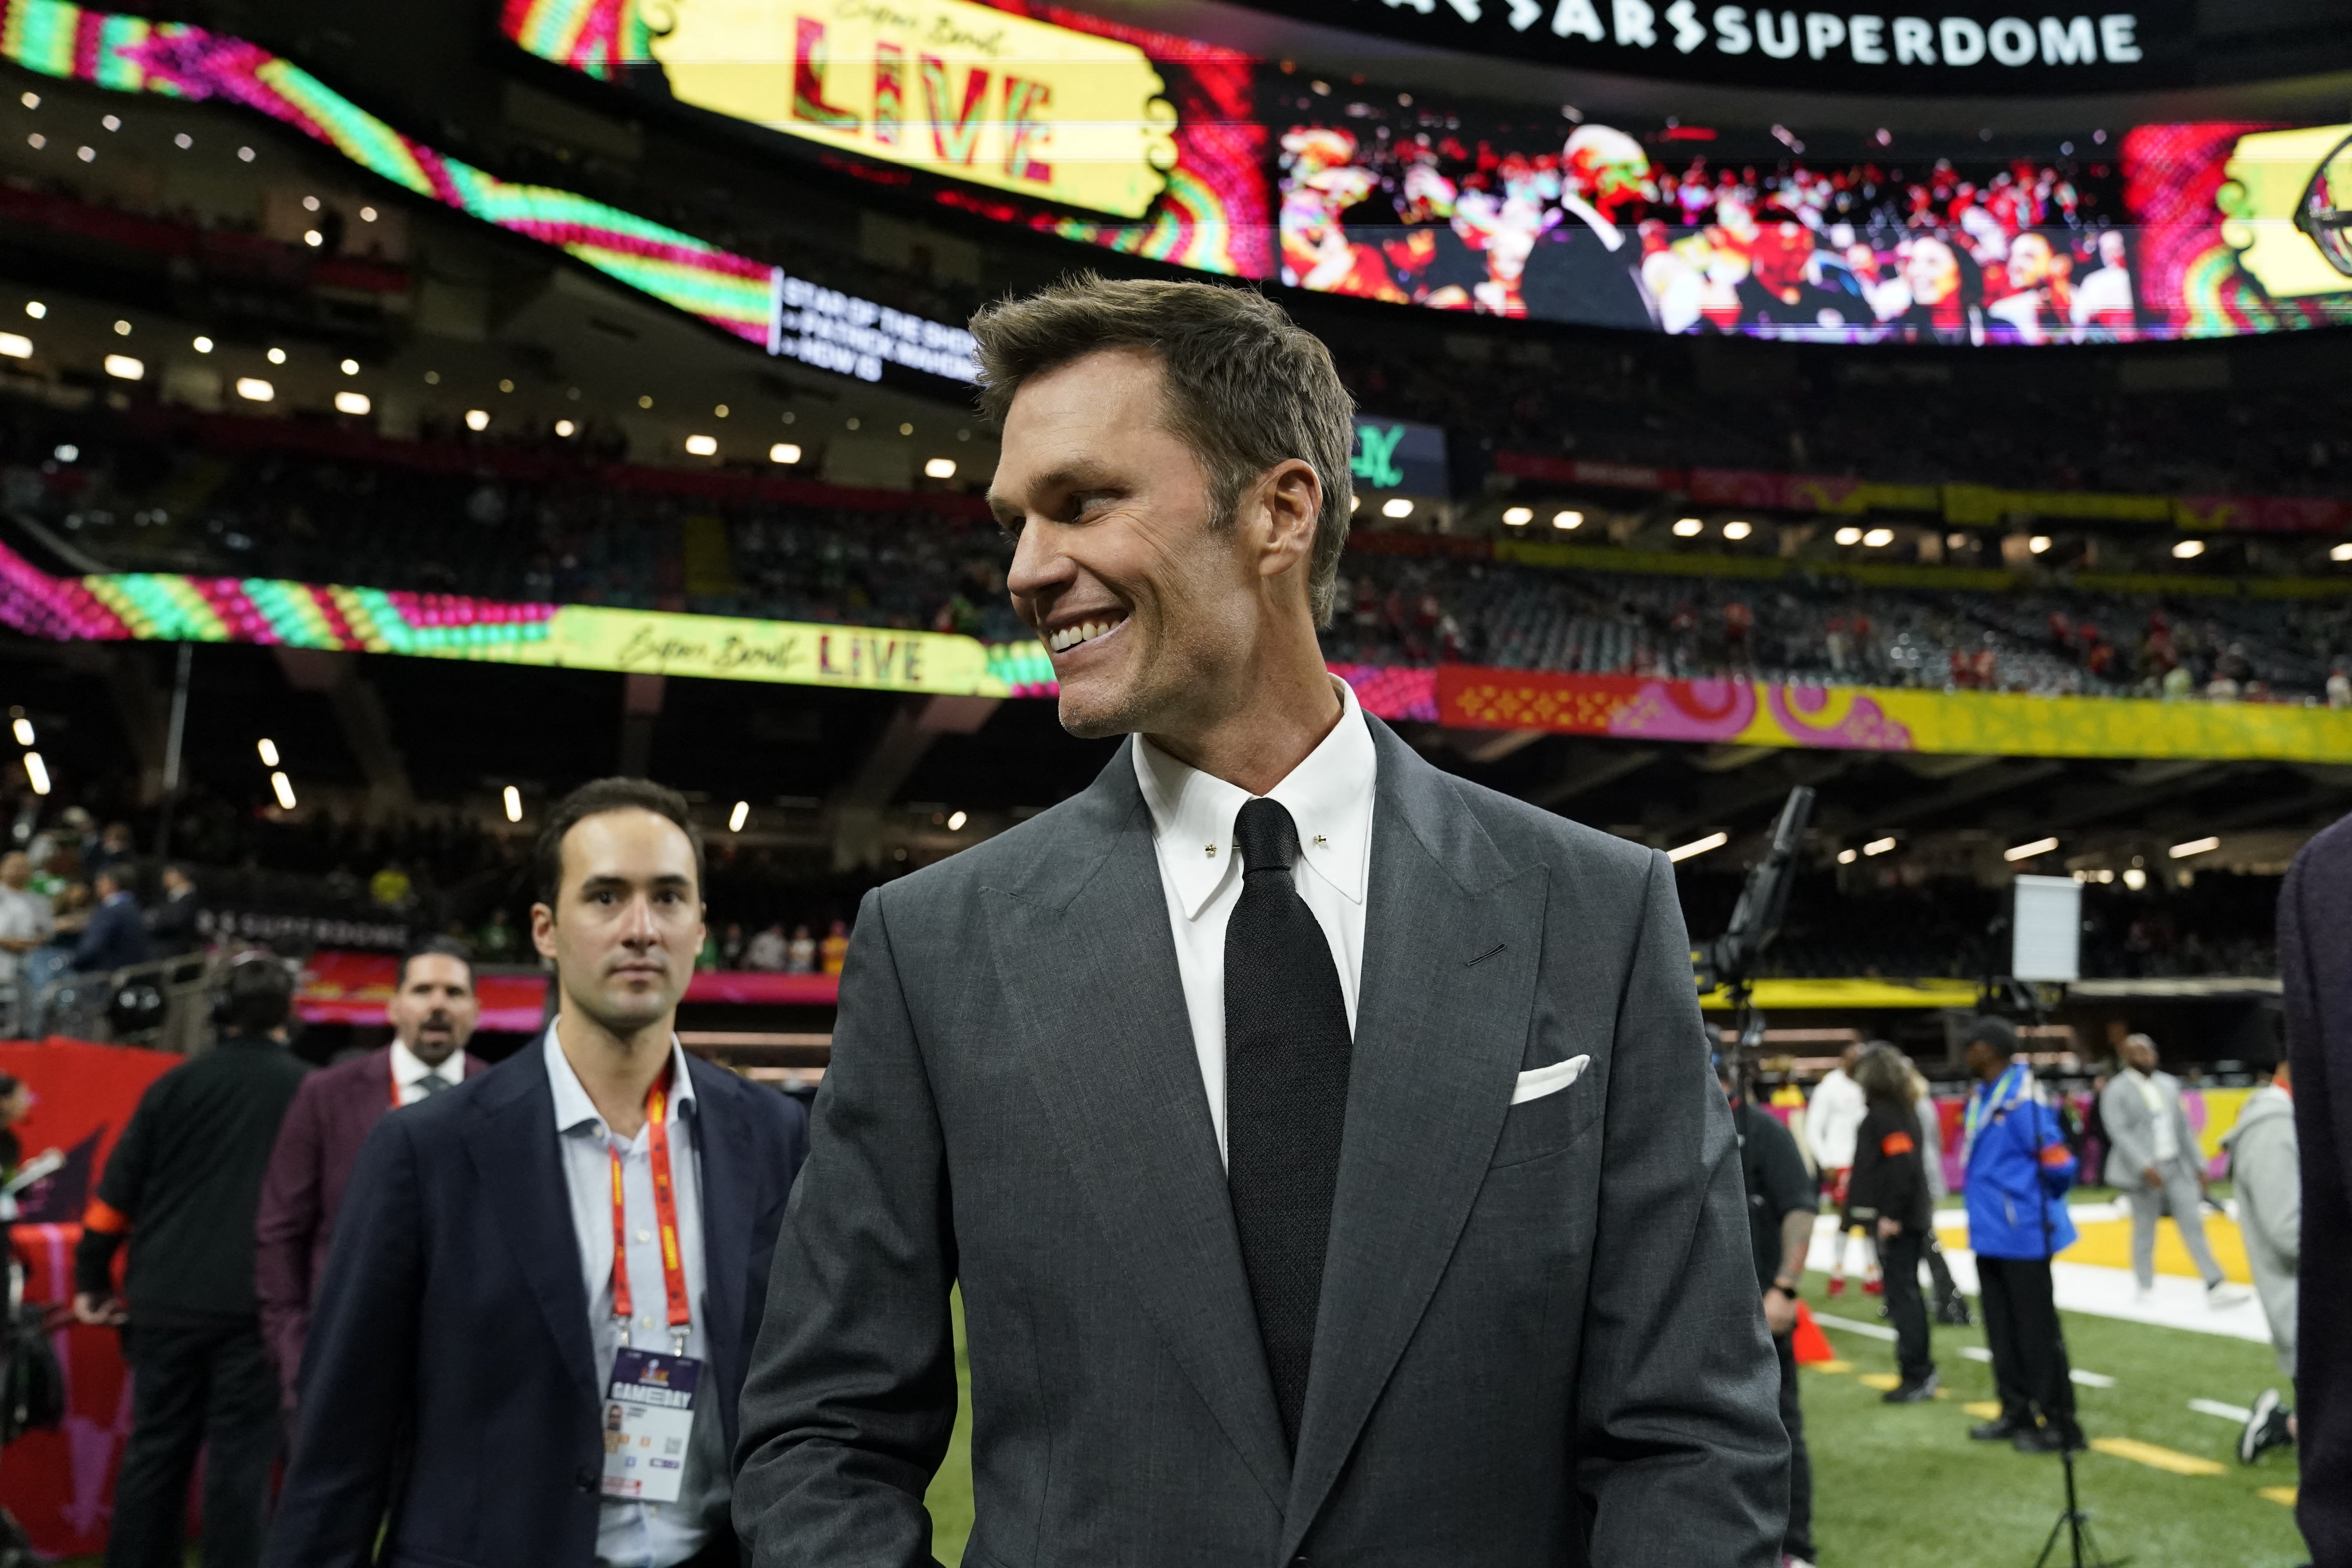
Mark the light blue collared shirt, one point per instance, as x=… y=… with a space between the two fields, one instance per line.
x=631 y=1534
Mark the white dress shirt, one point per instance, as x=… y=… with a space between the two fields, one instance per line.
x=631 y=1534
x=1329 y=798
x=409 y=1071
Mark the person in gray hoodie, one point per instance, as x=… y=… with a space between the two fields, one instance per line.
x=2266 y=1168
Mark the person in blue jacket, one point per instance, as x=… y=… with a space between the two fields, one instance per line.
x=2018 y=1169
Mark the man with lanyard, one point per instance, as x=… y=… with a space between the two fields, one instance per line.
x=529 y=1343
x=432 y=1013
x=2019 y=1169
x=1782 y=1205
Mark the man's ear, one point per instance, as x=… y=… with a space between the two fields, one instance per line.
x=1290 y=498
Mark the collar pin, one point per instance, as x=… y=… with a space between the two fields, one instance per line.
x=1320 y=839
x=1209 y=850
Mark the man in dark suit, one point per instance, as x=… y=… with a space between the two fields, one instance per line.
x=116 y=937
x=2315 y=909
x=432 y=1013
x=1367 y=1201
x=533 y=1270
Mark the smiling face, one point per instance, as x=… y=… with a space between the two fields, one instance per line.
x=1152 y=604
x=433 y=1011
x=627 y=920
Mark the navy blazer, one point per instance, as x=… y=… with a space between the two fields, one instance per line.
x=116 y=938
x=448 y=1381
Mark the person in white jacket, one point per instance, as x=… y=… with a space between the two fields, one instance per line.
x=2266 y=1168
x=1833 y=1116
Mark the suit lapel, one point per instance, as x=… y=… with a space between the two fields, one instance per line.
x=512 y=1141
x=1086 y=958
x=1451 y=941
x=720 y=1141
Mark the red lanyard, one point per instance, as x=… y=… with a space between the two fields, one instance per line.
x=681 y=1310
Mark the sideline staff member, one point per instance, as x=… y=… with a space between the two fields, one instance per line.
x=184 y=1184
x=432 y=1013
x=1782 y=1207
x=2019 y=1168
x=1323 y=1143
x=532 y=1266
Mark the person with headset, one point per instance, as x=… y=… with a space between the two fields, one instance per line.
x=184 y=1184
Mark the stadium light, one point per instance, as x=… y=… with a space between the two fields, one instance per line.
x=2028 y=851
x=275 y=355
x=1688 y=527
x=477 y=419
x=122 y=329
x=1848 y=535
x=350 y=367
x=24 y=729
x=1396 y=506
x=956 y=819
x=310 y=204
x=1567 y=520
x=2189 y=550
x=940 y=469
x=1879 y=846
x=269 y=750
x=1698 y=847
x=1355 y=504
x=66 y=452
x=2135 y=878
x=2038 y=544
x=1847 y=856
x=367 y=215
x=183 y=140
x=313 y=239
x=1736 y=529
x=702 y=445
x=2341 y=552
x=1878 y=539
x=126 y=367
x=29 y=99
x=253 y=389
x=739 y=817
x=36 y=309
x=2195 y=847
x=563 y=429
x=1518 y=516
x=283 y=787
x=202 y=345
x=16 y=345
x=783 y=452
x=512 y=799
x=36 y=772
x=353 y=403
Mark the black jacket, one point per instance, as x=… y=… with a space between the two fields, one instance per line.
x=184 y=1182
x=1889 y=1178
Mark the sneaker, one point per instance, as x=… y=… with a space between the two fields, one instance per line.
x=2221 y=1293
x=1913 y=1392
x=2143 y=1294
x=2050 y=1438
x=2001 y=1431
x=2266 y=1428
x=1837 y=1285
x=1952 y=1311
x=1873 y=1286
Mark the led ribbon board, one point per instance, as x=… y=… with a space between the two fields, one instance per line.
x=944 y=86
x=740 y=296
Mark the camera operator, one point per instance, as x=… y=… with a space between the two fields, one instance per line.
x=1782 y=1206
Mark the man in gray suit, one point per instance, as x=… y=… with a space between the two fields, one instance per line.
x=1367 y=1201
x=2152 y=1160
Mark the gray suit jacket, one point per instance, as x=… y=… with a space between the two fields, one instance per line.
x=2131 y=1132
x=1541 y=1339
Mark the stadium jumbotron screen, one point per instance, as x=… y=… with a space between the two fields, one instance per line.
x=1194 y=153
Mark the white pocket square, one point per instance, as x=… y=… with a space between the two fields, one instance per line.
x=1548 y=1080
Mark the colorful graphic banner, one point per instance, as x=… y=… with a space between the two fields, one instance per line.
x=1021 y=112
x=2237 y=220
x=944 y=86
x=745 y=298
x=1878 y=719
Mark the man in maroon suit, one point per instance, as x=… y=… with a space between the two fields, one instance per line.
x=432 y=1013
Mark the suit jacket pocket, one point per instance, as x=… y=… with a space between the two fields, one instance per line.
x=1548 y=1124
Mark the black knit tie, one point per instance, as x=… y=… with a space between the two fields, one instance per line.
x=1287 y=1050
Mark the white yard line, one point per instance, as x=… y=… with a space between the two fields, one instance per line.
x=2237 y=1412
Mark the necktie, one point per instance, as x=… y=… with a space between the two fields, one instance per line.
x=1287 y=1050
x=431 y=1084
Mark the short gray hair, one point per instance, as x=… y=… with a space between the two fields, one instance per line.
x=1246 y=386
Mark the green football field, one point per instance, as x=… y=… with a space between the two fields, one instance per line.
x=1903 y=1486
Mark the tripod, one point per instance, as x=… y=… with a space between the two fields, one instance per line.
x=2076 y=1525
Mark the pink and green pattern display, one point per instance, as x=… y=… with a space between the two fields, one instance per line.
x=128 y=54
